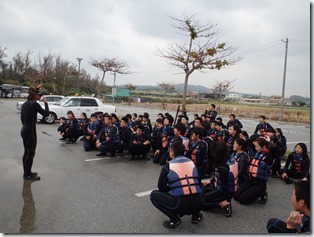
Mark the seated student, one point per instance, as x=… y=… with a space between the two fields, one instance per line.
x=221 y=133
x=115 y=120
x=185 y=122
x=211 y=113
x=198 y=150
x=72 y=133
x=243 y=160
x=205 y=123
x=108 y=138
x=156 y=139
x=219 y=119
x=191 y=124
x=218 y=192
x=82 y=121
x=299 y=220
x=62 y=127
x=147 y=125
x=212 y=131
x=179 y=131
x=140 y=144
x=233 y=121
x=297 y=164
x=179 y=189
x=262 y=126
x=234 y=133
x=167 y=132
x=90 y=133
x=275 y=152
x=125 y=135
x=255 y=187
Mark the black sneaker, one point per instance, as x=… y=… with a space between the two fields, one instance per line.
x=274 y=175
x=62 y=139
x=228 y=210
x=263 y=199
x=145 y=158
x=288 y=181
x=101 y=154
x=34 y=173
x=31 y=177
x=171 y=224
x=197 y=219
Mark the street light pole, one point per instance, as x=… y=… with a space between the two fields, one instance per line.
x=284 y=81
x=79 y=71
x=114 y=91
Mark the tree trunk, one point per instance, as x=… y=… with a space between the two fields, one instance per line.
x=100 y=86
x=185 y=90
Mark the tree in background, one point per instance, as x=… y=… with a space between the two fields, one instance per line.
x=203 y=51
x=131 y=88
x=220 y=88
x=166 y=87
x=115 y=65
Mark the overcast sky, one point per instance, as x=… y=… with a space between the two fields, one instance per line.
x=132 y=29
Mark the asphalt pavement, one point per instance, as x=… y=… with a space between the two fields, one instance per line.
x=81 y=193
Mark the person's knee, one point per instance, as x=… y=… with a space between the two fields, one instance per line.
x=243 y=200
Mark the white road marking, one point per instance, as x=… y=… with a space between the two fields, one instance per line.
x=94 y=159
x=142 y=194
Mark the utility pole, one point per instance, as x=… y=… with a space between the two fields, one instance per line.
x=284 y=81
x=79 y=72
x=114 y=89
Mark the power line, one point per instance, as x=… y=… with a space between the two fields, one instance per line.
x=258 y=49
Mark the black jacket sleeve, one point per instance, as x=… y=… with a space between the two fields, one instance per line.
x=162 y=181
x=224 y=172
x=288 y=161
x=40 y=110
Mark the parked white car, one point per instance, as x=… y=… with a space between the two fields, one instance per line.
x=77 y=105
x=52 y=99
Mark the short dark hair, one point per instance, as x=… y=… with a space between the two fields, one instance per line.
x=70 y=112
x=241 y=142
x=213 y=105
x=232 y=115
x=181 y=128
x=170 y=118
x=199 y=119
x=178 y=148
x=262 y=142
x=201 y=131
x=94 y=115
x=63 y=118
x=135 y=115
x=219 y=119
x=129 y=116
x=140 y=126
x=218 y=123
x=244 y=133
x=108 y=116
x=303 y=191
x=262 y=116
x=125 y=119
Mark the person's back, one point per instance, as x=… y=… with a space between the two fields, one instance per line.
x=179 y=188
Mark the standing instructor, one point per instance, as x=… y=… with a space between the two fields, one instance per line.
x=28 y=132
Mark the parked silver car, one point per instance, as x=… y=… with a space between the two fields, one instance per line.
x=77 y=105
x=52 y=99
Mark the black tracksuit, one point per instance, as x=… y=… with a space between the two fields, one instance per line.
x=28 y=132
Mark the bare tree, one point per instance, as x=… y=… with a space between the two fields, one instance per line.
x=222 y=87
x=131 y=88
x=3 y=64
x=202 y=52
x=109 y=65
x=166 y=87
